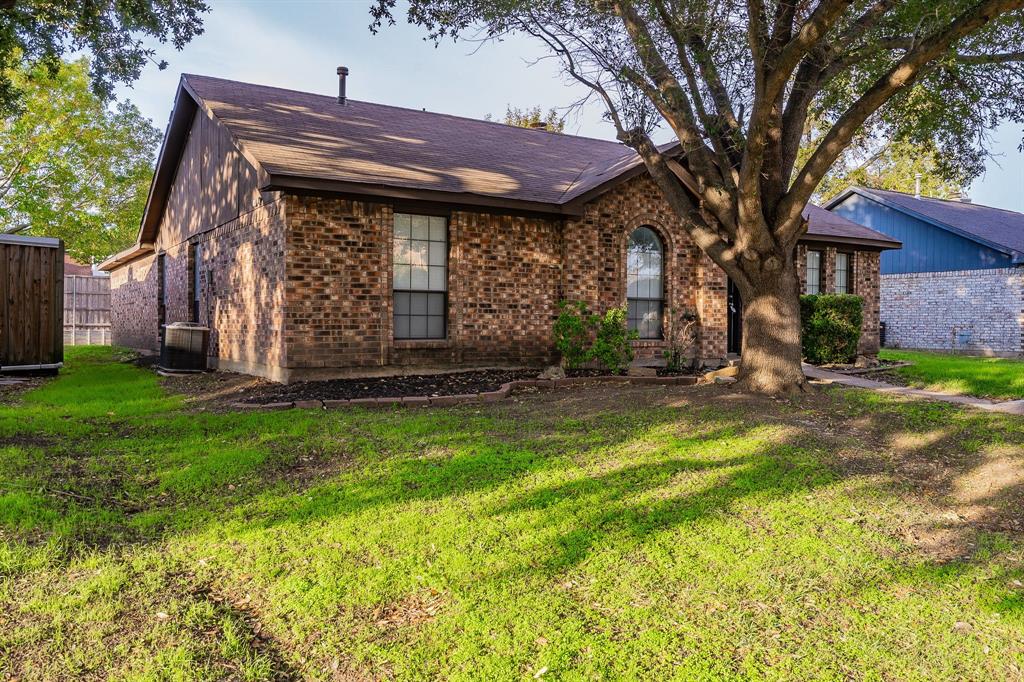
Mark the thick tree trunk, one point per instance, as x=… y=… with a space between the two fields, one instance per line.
x=770 y=354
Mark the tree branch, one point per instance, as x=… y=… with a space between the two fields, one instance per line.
x=903 y=74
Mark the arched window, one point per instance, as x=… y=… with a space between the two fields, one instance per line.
x=644 y=289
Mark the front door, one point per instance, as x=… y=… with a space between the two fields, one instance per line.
x=735 y=311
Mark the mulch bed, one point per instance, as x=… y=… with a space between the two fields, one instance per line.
x=458 y=383
x=661 y=372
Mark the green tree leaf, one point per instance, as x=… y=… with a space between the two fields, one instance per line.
x=72 y=166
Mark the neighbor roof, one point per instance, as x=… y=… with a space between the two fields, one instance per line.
x=305 y=142
x=994 y=227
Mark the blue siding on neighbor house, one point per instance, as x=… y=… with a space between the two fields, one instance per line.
x=926 y=248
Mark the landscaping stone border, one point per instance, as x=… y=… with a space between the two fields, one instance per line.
x=467 y=398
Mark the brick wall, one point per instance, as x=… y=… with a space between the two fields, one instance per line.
x=503 y=282
x=595 y=264
x=133 y=290
x=938 y=310
x=241 y=294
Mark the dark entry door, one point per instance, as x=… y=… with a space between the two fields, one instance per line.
x=735 y=311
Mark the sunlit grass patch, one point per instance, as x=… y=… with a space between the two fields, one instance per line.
x=968 y=375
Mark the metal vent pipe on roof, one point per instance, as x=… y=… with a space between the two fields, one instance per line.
x=342 y=75
x=917 y=186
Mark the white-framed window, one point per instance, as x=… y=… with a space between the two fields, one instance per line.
x=844 y=274
x=644 y=283
x=420 y=276
x=814 y=272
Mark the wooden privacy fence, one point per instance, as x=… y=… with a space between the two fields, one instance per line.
x=86 y=310
x=31 y=284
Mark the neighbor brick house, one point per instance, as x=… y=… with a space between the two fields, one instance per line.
x=317 y=238
x=958 y=282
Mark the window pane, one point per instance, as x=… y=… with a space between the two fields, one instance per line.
x=418 y=304
x=632 y=286
x=842 y=265
x=438 y=233
x=436 y=279
x=435 y=327
x=403 y=222
x=813 y=272
x=655 y=291
x=418 y=251
x=435 y=304
x=419 y=277
x=401 y=251
x=418 y=326
x=402 y=277
x=401 y=303
x=420 y=228
x=437 y=250
x=401 y=326
x=419 y=261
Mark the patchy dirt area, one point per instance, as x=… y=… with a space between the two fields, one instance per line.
x=11 y=387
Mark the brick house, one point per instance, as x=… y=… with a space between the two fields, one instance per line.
x=958 y=282
x=318 y=237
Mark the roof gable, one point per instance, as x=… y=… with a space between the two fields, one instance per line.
x=996 y=228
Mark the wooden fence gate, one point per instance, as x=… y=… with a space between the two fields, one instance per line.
x=31 y=277
x=86 y=310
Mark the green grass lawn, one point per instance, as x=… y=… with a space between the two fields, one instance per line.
x=969 y=375
x=619 y=533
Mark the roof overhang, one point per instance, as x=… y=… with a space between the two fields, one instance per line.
x=25 y=240
x=877 y=244
x=298 y=184
x=1016 y=256
x=124 y=257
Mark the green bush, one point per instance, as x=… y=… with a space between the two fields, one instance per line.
x=611 y=343
x=581 y=336
x=830 y=326
x=572 y=332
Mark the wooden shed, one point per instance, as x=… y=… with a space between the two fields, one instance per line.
x=31 y=303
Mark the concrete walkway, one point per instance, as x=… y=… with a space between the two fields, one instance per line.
x=1008 y=406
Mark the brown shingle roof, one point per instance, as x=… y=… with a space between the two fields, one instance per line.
x=826 y=225
x=313 y=136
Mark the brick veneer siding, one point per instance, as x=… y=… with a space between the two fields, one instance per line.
x=595 y=264
x=133 y=290
x=241 y=296
x=930 y=309
x=503 y=284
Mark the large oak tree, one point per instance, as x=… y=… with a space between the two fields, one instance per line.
x=737 y=82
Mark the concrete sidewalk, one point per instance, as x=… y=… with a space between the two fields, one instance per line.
x=1008 y=406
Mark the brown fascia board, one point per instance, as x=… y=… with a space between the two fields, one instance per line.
x=869 y=244
x=302 y=185
x=133 y=252
x=185 y=104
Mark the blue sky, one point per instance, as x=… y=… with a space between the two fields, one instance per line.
x=298 y=44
